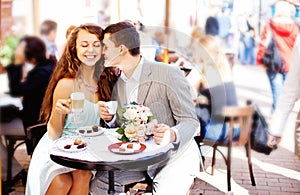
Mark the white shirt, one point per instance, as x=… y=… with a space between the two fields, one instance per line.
x=289 y=94
x=51 y=47
x=132 y=84
x=131 y=87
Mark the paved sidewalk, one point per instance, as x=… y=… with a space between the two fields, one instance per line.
x=275 y=174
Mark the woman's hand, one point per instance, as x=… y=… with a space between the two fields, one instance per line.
x=19 y=56
x=103 y=112
x=63 y=106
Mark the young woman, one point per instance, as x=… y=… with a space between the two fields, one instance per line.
x=78 y=69
x=215 y=90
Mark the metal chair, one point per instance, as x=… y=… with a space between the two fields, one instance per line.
x=240 y=116
x=33 y=136
x=141 y=187
x=11 y=132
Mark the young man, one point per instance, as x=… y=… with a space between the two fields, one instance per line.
x=166 y=92
x=48 y=31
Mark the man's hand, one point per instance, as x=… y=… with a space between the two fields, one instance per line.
x=103 y=112
x=161 y=133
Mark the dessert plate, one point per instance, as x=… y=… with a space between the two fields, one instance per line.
x=90 y=131
x=71 y=144
x=126 y=147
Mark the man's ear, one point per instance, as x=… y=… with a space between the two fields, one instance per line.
x=123 y=50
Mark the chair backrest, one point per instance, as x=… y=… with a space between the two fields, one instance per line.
x=239 y=116
x=12 y=128
x=34 y=134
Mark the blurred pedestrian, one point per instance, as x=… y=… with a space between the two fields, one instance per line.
x=48 y=30
x=225 y=26
x=284 y=31
x=247 y=40
x=289 y=95
x=212 y=26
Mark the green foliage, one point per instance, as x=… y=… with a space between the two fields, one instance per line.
x=120 y=130
x=120 y=113
x=7 y=51
x=150 y=118
x=124 y=139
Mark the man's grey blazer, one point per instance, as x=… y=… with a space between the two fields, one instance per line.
x=165 y=90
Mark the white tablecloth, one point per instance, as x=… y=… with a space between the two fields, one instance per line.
x=97 y=149
x=6 y=99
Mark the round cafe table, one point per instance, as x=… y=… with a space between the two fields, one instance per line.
x=98 y=157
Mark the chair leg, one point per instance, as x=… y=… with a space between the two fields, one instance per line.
x=10 y=154
x=213 y=162
x=22 y=175
x=248 y=152
x=228 y=163
x=202 y=167
x=140 y=187
x=111 y=181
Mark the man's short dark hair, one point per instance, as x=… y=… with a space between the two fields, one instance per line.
x=124 y=33
x=47 y=26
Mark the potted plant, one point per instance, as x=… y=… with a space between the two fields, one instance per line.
x=7 y=51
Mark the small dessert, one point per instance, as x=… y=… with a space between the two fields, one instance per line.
x=81 y=131
x=82 y=145
x=95 y=128
x=78 y=142
x=129 y=146
x=121 y=149
x=68 y=146
x=89 y=131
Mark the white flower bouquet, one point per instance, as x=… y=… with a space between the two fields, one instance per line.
x=137 y=122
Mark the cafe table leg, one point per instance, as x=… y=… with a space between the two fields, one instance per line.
x=111 y=182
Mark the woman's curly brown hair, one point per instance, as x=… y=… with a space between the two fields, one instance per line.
x=68 y=66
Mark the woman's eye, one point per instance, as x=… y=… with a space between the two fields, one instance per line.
x=84 y=45
x=97 y=45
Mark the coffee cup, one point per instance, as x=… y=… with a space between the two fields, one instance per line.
x=112 y=107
